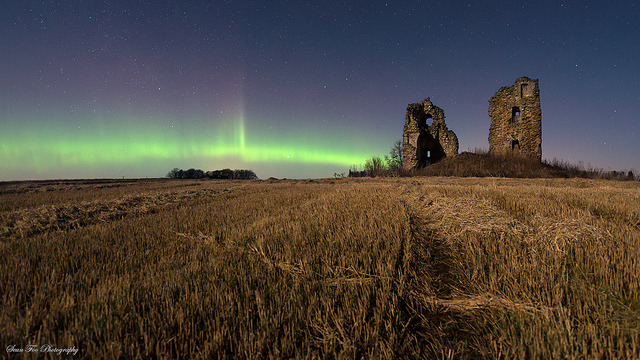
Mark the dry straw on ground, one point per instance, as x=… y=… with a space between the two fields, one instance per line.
x=383 y=268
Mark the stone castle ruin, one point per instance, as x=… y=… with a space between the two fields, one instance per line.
x=516 y=120
x=516 y=127
x=426 y=139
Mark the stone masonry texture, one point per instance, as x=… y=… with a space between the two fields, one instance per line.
x=516 y=120
x=424 y=144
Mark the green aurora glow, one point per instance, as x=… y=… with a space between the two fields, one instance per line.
x=61 y=147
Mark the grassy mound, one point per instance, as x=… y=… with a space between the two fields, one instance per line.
x=482 y=164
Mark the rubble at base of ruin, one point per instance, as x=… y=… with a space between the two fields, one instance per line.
x=516 y=120
x=424 y=143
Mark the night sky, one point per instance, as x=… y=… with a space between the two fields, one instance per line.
x=301 y=89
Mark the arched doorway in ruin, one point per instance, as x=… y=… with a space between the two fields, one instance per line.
x=429 y=150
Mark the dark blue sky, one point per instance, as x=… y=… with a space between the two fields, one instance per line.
x=138 y=87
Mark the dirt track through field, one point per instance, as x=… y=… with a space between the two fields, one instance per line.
x=349 y=268
x=438 y=294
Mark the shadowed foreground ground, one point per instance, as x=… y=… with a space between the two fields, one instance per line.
x=383 y=268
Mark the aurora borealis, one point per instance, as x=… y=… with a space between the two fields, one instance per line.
x=116 y=89
x=122 y=143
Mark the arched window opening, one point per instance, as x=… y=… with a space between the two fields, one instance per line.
x=515 y=114
x=515 y=144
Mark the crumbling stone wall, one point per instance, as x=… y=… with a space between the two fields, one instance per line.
x=516 y=120
x=424 y=144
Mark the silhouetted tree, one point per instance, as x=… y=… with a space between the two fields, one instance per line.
x=174 y=174
x=394 y=159
x=194 y=174
x=215 y=174
x=244 y=174
x=226 y=174
x=374 y=166
x=354 y=172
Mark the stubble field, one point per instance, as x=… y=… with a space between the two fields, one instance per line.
x=346 y=268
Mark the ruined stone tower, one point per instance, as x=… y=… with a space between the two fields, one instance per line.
x=516 y=120
x=424 y=143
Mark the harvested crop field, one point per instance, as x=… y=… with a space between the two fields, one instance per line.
x=346 y=268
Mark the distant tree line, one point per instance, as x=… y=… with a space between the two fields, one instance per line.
x=215 y=174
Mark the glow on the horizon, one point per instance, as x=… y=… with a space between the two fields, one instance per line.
x=42 y=150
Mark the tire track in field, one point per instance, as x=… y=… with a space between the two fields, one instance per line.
x=446 y=312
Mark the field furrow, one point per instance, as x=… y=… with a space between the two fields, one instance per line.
x=350 y=268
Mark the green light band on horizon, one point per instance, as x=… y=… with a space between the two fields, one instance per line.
x=44 y=148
